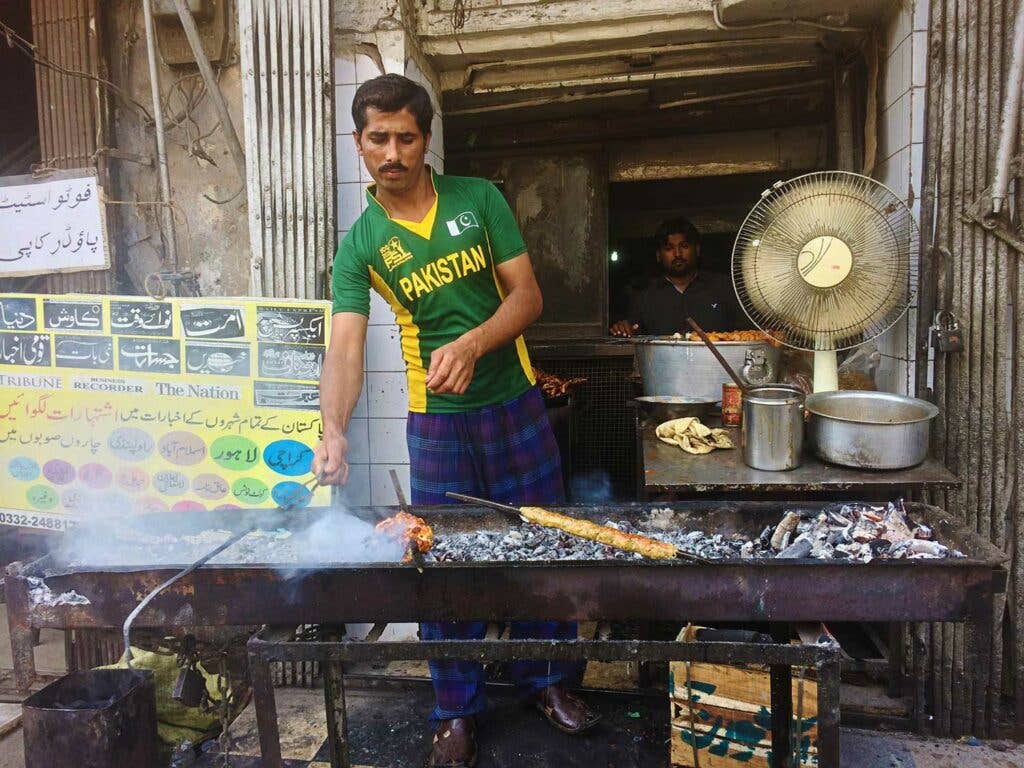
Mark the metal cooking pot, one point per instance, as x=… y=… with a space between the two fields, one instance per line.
x=870 y=430
x=667 y=407
x=773 y=427
x=671 y=366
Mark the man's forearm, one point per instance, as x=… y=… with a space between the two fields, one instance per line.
x=513 y=316
x=341 y=381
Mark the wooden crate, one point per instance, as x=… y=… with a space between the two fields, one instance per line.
x=731 y=711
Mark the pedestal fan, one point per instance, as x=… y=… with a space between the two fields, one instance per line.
x=824 y=262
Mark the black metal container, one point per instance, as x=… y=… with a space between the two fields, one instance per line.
x=94 y=718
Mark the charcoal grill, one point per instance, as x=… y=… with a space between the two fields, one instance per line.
x=613 y=590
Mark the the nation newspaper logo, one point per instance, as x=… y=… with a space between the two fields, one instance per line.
x=394 y=254
x=461 y=223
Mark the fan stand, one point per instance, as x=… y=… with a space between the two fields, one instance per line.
x=824 y=263
x=826 y=371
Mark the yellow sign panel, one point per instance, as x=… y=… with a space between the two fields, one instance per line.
x=127 y=404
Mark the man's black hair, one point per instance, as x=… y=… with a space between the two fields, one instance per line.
x=393 y=93
x=680 y=225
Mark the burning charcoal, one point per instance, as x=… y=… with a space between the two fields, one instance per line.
x=879 y=546
x=784 y=531
x=896 y=528
x=766 y=536
x=922 y=531
x=922 y=548
x=865 y=531
x=799 y=549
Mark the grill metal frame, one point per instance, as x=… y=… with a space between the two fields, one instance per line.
x=728 y=590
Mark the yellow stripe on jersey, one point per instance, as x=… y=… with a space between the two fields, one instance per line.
x=421 y=228
x=524 y=355
x=417 y=375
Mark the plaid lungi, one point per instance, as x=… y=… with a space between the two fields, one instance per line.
x=505 y=453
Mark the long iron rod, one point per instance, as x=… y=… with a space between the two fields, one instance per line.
x=226 y=124
x=294 y=498
x=161 y=148
x=1011 y=115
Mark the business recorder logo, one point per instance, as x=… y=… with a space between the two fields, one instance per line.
x=107 y=386
x=461 y=223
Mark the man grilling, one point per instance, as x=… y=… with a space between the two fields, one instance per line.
x=447 y=255
x=680 y=290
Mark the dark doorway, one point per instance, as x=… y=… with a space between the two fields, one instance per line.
x=19 y=120
x=716 y=205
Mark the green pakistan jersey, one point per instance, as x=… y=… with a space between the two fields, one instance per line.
x=439 y=277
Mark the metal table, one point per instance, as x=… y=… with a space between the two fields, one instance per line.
x=667 y=471
x=265 y=647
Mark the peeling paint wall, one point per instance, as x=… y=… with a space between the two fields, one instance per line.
x=213 y=239
x=561 y=204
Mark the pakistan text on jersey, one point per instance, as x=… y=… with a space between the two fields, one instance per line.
x=442 y=271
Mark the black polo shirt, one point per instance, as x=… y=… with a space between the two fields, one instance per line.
x=661 y=309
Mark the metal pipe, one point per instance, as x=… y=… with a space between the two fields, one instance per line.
x=161 y=149
x=1011 y=116
x=203 y=62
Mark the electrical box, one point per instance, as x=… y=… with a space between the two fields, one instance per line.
x=211 y=18
x=163 y=9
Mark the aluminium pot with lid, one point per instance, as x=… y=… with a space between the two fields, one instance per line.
x=671 y=366
x=773 y=427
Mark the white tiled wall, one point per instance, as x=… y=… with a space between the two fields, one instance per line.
x=377 y=431
x=900 y=156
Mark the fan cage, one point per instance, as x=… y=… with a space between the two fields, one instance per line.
x=870 y=218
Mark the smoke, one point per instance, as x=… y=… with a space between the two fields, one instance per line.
x=591 y=487
x=294 y=540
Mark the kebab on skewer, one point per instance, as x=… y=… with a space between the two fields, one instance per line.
x=585 y=529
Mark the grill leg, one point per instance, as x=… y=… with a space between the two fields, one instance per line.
x=266 y=711
x=782 y=705
x=337 y=721
x=828 y=714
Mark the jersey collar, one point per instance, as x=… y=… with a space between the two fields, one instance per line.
x=374 y=204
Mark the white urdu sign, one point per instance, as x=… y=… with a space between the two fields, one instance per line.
x=51 y=225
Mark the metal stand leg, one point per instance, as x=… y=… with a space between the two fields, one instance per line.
x=828 y=714
x=782 y=705
x=266 y=711
x=979 y=654
x=337 y=721
x=895 y=658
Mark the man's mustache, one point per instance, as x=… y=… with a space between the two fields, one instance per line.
x=392 y=167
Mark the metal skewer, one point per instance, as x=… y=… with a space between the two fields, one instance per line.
x=515 y=511
x=413 y=548
x=309 y=487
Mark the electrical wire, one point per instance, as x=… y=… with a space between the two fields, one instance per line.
x=18 y=43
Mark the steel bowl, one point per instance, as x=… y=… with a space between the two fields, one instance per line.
x=869 y=430
x=667 y=407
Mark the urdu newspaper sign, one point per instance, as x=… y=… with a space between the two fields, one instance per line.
x=130 y=405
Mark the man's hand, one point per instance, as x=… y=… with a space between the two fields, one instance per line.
x=451 y=366
x=625 y=328
x=329 y=463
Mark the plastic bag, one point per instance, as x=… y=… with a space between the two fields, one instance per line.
x=797 y=368
x=858 y=371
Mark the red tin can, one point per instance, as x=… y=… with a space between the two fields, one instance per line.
x=732 y=405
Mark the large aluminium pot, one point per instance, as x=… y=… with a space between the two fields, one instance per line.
x=671 y=366
x=869 y=430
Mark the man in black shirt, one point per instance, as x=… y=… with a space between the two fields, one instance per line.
x=681 y=290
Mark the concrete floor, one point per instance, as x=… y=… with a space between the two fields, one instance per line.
x=512 y=732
